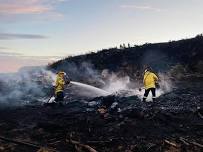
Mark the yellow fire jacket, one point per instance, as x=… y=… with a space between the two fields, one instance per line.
x=149 y=80
x=60 y=84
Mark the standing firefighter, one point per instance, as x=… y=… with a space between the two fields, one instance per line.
x=150 y=80
x=61 y=81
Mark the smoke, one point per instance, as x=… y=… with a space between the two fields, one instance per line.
x=35 y=84
x=83 y=71
x=114 y=83
x=123 y=86
x=30 y=84
x=165 y=83
x=156 y=59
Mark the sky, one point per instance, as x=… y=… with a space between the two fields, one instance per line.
x=38 y=32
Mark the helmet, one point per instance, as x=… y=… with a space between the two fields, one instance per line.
x=62 y=72
x=148 y=69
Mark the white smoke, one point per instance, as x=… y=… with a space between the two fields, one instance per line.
x=166 y=86
x=115 y=83
x=33 y=84
x=123 y=86
x=29 y=84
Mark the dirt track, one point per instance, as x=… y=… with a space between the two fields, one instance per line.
x=173 y=123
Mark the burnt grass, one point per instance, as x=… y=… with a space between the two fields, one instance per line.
x=173 y=123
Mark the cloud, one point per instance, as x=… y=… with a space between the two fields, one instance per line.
x=18 y=9
x=12 y=36
x=22 y=56
x=15 y=8
x=2 y=53
x=139 y=7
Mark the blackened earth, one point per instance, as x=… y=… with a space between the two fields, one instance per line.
x=173 y=123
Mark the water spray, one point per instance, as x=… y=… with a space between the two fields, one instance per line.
x=89 y=88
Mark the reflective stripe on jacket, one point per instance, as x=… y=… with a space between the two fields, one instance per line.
x=149 y=80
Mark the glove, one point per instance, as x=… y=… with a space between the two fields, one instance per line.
x=157 y=85
x=67 y=81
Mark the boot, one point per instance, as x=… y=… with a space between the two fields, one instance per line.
x=60 y=104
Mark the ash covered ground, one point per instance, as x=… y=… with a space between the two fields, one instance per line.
x=173 y=123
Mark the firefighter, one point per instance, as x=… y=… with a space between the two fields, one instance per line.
x=61 y=81
x=150 y=80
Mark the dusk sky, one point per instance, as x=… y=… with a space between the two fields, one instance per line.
x=35 y=32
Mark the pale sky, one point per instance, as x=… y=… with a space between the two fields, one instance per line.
x=35 y=32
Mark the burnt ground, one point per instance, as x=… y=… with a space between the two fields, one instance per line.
x=173 y=123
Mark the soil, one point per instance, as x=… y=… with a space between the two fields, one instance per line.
x=173 y=123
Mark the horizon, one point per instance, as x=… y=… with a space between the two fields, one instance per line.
x=38 y=32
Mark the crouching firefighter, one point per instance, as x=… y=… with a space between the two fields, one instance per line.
x=61 y=81
x=150 y=80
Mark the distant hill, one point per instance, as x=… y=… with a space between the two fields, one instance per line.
x=185 y=55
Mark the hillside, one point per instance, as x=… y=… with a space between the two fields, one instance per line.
x=184 y=55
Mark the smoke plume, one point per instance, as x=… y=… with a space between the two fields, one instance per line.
x=123 y=86
x=28 y=85
x=35 y=84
